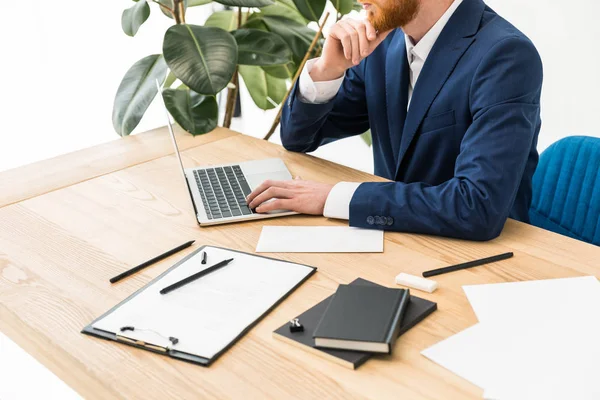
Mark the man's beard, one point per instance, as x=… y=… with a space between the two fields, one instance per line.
x=398 y=13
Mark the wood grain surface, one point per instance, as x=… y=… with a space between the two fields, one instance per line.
x=62 y=171
x=59 y=249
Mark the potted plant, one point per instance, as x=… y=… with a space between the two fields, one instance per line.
x=264 y=41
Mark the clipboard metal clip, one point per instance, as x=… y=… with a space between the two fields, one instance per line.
x=137 y=342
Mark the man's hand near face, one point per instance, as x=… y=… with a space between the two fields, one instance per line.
x=348 y=43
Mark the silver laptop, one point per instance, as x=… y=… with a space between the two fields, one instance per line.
x=218 y=192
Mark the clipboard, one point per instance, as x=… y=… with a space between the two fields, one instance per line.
x=172 y=352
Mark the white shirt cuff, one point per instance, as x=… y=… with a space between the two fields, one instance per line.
x=337 y=204
x=317 y=92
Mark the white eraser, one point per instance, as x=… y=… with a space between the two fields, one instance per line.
x=416 y=282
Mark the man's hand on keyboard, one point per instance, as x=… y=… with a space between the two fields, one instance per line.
x=305 y=197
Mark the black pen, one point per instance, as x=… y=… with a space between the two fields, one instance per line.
x=466 y=265
x=196 y=276
x=150 y=262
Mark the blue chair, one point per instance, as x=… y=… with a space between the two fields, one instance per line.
x=566 y=189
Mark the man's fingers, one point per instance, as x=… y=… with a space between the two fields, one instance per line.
x=354 y=39
x=273 y=192
x=338 y=32
x=279 y=204
x=371 y=32
x=264 y=186
x=363 y=41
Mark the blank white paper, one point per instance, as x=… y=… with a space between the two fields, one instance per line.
x=521 y=363
x=535 y=339
x=208 y=314
x=319 y=239
x=522 y=302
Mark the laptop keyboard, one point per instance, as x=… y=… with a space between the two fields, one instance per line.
x=223 y=191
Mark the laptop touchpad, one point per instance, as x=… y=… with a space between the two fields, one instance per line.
x=254 y=180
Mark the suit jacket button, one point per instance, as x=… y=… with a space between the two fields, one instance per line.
x=390 y=221
x=378 y=220
x=370 y=220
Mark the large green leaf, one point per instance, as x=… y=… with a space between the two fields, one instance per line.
x=343 y=6
x=311 y=9
x=245 y=3
x=266 y=90
x=196 y=113
x=297 y=36
x=281 y=71
x=255 y=22
x=194 y=3
x=284 y=8
x=202 y=57
x=136 y=92
x=226 y=20
x=256 y=47
x=133 y=17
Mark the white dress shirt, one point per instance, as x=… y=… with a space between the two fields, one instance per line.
x=337 y=204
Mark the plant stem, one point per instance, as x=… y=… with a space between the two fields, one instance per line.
x=179 y=11
x=233 y=92
x=300 y=67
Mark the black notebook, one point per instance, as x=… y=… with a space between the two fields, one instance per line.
x=362 y=318
x=418 y=309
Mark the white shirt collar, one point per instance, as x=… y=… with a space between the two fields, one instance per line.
x=423 y=48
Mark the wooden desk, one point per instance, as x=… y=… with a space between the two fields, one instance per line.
x=60 y=243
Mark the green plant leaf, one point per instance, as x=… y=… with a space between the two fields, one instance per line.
x=281 y=71
x=133 y=17
x=311 y=9
x=245 y=3
x=196 y=113
x=284 y=8
x=297 y=36
x=263 y=87
x=256 y=47
x=136 y=92
x=368 y=139
x=343 y=6
x=204 y=58
x=194 y=3
x=171 y=78
x=226 y=20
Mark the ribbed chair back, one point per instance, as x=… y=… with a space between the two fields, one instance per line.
x=566 y=189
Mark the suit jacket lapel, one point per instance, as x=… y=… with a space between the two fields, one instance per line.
x=452 y=43
x=396 y=91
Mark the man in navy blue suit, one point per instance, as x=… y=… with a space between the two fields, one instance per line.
x=451 y=93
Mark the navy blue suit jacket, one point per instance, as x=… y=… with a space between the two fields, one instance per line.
x=464 y=154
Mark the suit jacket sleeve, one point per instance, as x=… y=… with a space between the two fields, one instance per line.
x=306 y=126
x=475 y=203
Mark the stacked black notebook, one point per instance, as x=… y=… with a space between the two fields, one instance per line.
x=350 y=321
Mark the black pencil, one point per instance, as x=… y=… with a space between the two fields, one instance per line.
x=150 y=262
x=466 y=265
x=196 y=276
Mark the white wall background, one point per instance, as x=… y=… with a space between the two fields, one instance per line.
x=61 y=63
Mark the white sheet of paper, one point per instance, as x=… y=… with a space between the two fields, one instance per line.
x=512 y=362
x=520 y=302
x=319 y=239
x=209 y=313
x=534 y=340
